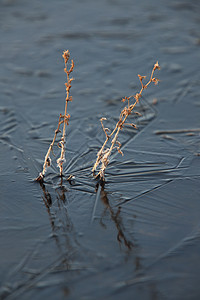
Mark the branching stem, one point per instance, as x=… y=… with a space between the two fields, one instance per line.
x=62 y=119
x=103 y=154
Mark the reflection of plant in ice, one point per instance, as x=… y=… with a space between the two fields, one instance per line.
x=60 y=217
x=63 y=119
x=104 y=153
x=115 y=216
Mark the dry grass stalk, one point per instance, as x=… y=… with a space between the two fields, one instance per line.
x=104 y=153
x=63 y=119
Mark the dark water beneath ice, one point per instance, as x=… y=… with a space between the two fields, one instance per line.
x=139 y=237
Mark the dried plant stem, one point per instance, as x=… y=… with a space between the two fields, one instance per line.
x=62 y=142
x=47 y=160
x=103 y=154
x=62 y=119
x=66 y=116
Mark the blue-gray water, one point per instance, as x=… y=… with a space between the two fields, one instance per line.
x=139 y=237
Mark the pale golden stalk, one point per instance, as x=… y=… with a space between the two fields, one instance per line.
x=103 y=154
x=62 y=119
x=66 y=116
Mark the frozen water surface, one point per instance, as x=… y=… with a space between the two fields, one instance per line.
x=139 y=237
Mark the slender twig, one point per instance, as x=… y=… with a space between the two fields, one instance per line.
x=47 y=160
x=63 y=119
x=61 y=159
x=103 y=154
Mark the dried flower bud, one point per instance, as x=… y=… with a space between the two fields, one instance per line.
x=120 y=151
x=137 y=96
x=72 y=66
x=107 y=130
x=156 y=66
x=118 y=143
x=69 y=98
x=66 y=55
x=60 y=161
x=141 y=77
x=71 y=79
x=125 y=98
x=155 y=80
